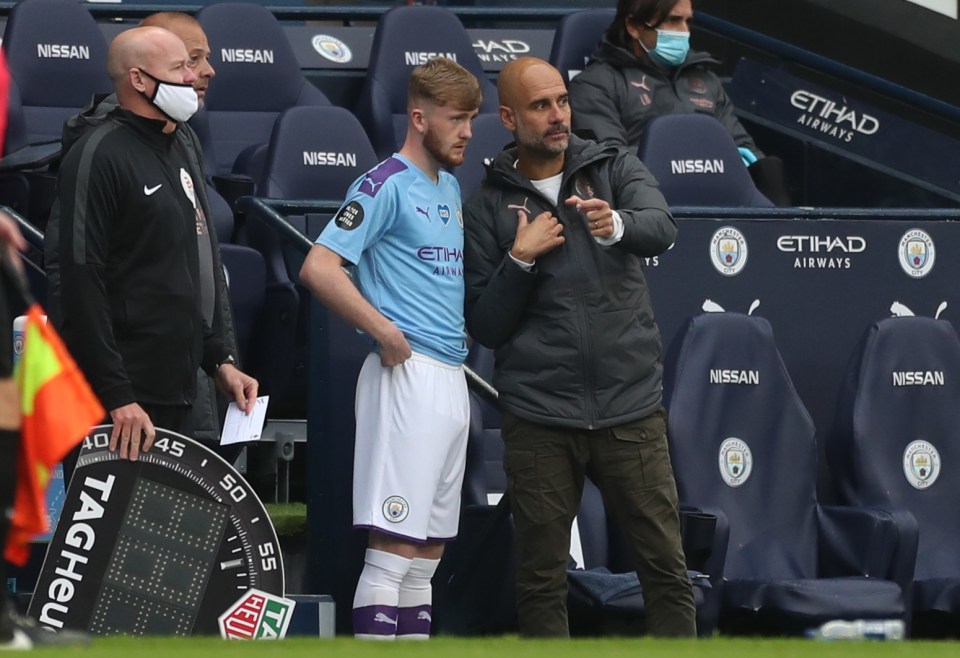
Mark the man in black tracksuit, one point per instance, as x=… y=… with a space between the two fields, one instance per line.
x=554 y=246
x=204 y=422
x=126 y=216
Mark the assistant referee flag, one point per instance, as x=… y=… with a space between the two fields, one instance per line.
x=58 y=409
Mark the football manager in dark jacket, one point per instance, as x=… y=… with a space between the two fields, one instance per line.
x=555 y=242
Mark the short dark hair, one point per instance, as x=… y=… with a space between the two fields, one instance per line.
x=649 y=12
x=442 y=81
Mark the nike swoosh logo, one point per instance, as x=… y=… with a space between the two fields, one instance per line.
x=150 y=190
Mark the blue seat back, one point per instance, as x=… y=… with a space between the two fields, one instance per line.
x=315 y=153
x=489 y=138
x=484 y=472
x=246 y=281
x=406 y=37
x=575 y=39
x=257 y=77
x=742 y=441
x=696 y=162
x=897 y=433
x=58 y=59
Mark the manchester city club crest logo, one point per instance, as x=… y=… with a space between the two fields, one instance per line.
x=921 y=464
x=332 y=48
x=728 y=251
x=916 y=253
x=736 y=461
x=395 y=509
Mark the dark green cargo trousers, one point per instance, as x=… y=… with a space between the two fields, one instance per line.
x=630 y=463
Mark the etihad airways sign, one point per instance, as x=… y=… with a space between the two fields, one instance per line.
x=831 y=118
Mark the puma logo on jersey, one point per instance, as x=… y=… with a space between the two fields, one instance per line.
x=423 y=615
x=384 y=619
x=425 y=213
x=150 y=190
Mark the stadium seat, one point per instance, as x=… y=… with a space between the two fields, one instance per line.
x=742 y=441
x=314 y=152
x=575 y=39
x=696 y=162
x=405 y=38
x=57 y=58
x=489 y=138
x=895 y=442
x=257 y=77
x=246 y=281
x=484 y=480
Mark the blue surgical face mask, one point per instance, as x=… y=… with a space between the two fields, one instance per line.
x=671 y=49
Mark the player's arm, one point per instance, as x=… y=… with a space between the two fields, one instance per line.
x=322 y=273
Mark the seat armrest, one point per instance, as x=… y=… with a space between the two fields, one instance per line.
x=34 y=156
x=868 y=541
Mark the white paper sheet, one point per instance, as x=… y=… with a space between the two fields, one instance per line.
x=239 y=427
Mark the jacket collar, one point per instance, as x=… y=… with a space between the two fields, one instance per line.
x=580 y=152
x=150 y=130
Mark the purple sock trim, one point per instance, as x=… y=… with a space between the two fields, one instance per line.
x=415 y=621
x=375 y=620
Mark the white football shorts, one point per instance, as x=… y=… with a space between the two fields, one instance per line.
x=411 y=445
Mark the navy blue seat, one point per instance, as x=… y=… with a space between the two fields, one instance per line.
x=246 y=281
x=484 y=480
x=576 y=37
x=405 y=38
x=489 y=138
x=257 y=77
x=896 y=439
x=697 y=163
x=742 y=441
x=57 y=58
x=314 y=152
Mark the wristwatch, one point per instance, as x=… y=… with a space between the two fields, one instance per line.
x=227 y=361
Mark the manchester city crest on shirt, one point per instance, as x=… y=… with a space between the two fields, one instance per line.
x=736 y=461
x=395 y=509
x=921 y=464
x=728 y=251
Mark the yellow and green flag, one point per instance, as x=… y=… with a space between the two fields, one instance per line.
x=58 y=409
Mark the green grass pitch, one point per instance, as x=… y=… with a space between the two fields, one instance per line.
x=507 y=647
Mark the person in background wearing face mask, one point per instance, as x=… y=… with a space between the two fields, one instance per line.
x=204 y=421
x=131 y=298
x=643 y=68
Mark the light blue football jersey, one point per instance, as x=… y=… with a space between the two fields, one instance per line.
x=404 y=233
